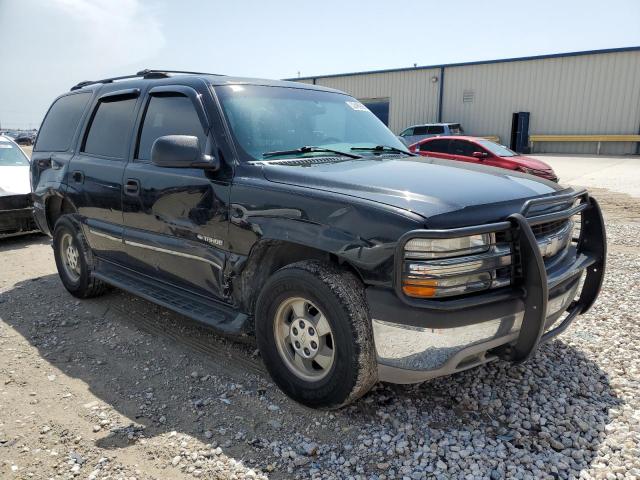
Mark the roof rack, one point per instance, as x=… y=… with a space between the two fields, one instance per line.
x=146 y=73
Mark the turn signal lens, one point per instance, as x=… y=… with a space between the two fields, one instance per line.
x=446 y=267
x=420 y=288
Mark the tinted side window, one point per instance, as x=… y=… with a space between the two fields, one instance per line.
x=168 y=115
x=440 y=146
x=407 y=132
x=61 y=122
x=420 y=131
x=111 y=128
x=436 y=129
x=458 y=147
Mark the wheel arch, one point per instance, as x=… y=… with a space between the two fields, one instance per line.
x=267 y=257
x=55 y=207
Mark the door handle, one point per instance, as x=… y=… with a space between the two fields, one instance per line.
x=132 y=187
x=78 y=176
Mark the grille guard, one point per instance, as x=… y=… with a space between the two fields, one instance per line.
x=532 y=285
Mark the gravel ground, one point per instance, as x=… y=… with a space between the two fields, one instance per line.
x=118 y=388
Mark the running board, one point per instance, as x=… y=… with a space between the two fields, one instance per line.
x=215 y=314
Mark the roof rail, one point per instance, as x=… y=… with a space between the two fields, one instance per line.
x=146 y=73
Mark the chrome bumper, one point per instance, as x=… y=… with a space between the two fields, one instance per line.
x=420 y=339
x=411 y=354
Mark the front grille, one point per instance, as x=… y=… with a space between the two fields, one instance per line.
x=549 y=228
x=10 y=226
x=552 y=241
x=15 y=202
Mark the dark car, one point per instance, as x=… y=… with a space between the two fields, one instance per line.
x=25 y=138
x=481 y=150
x=290 y=212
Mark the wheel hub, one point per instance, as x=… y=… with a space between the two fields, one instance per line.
x=305 y=339
x=72 y=257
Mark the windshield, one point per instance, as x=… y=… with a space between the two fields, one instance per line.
x=273 y=119
x=456 y=129
x=498 y=150
x=10 y=155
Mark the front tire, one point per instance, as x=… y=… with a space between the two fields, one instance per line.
x=314 y=334
x=73 y=259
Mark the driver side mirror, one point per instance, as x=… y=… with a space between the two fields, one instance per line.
x=181 y=151
x=480 y=155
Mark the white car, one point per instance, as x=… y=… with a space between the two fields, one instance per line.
x=16 y=211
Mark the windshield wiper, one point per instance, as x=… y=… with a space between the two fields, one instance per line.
x=308 y=149
x=383 y=148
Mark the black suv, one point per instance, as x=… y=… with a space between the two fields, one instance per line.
x=290 y=212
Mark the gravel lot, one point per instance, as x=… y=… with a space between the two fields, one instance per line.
x=118 y=388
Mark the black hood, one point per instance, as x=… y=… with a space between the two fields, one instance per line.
x=427 y=186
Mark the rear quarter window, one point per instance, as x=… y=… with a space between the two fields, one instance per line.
x=61 y=122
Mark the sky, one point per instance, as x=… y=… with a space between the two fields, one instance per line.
x=47 y=46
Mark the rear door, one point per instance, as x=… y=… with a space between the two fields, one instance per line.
x=176 y=218
x=95 y=173
x=54 y=148
x=438 y=148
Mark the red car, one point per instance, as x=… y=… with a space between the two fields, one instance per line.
x=480 y=150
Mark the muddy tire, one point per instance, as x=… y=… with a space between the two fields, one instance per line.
x=74 y=260
x=314 y=334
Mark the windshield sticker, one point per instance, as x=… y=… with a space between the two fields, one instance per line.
x=5 y=145
x=357 y=106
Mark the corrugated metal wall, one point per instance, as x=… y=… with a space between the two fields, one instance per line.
x=413 y=97
x=590 y=94
x=584 y=94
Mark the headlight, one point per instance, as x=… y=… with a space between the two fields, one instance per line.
x=449 y=247
x=447 y=267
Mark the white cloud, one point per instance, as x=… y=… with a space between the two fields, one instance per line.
x=115 y=32
x=57 y=43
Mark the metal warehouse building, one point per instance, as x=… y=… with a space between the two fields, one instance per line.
x=593 y=93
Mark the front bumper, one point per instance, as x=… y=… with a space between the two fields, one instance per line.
x=419 y=340
x=16 y=216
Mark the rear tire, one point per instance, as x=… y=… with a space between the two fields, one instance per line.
x=314 y=334
x=74 y=260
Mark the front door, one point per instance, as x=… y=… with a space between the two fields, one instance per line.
x=462 y=151
x=175 y=218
